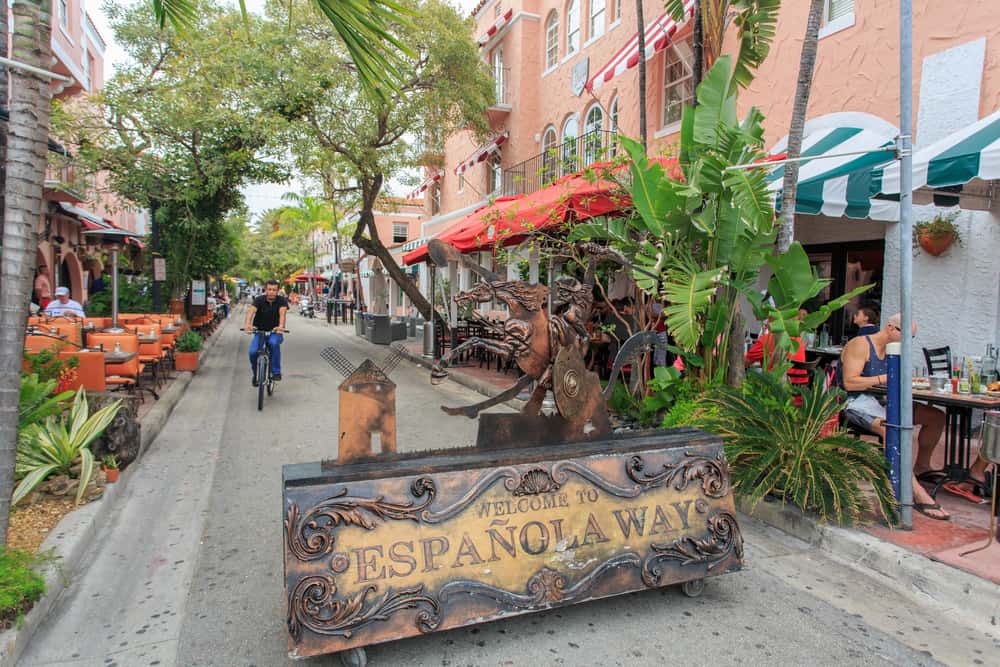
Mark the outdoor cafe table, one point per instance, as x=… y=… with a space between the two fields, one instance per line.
x=111 y=358
x=957 y=432
x=826 y=354
x=149 y=339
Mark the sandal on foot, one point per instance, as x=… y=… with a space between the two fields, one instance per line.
x=925 y=508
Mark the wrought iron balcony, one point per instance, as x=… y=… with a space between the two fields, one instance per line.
x=566 y=158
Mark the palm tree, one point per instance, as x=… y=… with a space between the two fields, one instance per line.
x=363 y=26
x=789 y=185
x=301 y=221
x=27 y=153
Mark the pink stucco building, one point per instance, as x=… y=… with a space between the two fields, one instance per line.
x=566 y=83
x=75 y=200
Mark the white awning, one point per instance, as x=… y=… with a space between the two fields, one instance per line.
x=500 y=23
x=427 y=182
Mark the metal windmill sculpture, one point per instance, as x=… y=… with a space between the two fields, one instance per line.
x=367 y=419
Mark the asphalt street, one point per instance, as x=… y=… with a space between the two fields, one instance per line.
x=189 y=572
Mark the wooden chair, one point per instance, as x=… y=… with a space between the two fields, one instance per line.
x=938 y=360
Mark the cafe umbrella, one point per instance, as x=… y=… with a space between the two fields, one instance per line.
x=114 y=237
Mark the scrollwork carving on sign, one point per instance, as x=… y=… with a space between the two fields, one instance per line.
x=713 y=473
x=724 y=540
x=310 y=535
x=547 y=586
x=313 y=605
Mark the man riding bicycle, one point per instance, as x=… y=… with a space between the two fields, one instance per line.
x=267 y=313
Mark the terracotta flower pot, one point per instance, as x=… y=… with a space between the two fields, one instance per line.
x=186 y=361
x=935 y=245
x=111 y=474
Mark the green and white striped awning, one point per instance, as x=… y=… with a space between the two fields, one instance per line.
x=972 y=152
x=841 y=185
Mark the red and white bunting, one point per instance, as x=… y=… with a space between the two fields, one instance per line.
x=658 y=35
x=422 y=188
x=500 y=23
x=481 y=154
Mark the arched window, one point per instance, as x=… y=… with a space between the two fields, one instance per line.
x=570 y=154
x=549 y=157
x=552 y=41
x=593 y=137
x=572 y=27
x=597 y=12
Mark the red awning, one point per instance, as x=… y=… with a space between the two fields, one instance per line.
x=658 y=35
x=306 y=277
x=500 y=22
x=481 y=153
x=427 y=182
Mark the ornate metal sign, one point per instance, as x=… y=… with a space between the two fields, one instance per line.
x=409 y=544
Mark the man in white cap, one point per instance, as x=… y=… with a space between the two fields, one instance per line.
x=63 y=305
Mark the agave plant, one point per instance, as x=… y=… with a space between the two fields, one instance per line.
x=55 y=446
x=777 y=448
x=38 y=401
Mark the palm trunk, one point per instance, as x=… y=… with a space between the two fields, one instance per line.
x=642 y=71
x=697 y=51
x=789 y=186
x=27 y=151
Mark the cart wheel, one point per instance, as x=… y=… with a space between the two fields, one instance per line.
x=694 y=588
x=355 y=657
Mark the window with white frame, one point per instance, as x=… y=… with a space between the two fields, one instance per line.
x=618 y=11
x=64 y=14
x=552 y=41
x=836 y=9
x=597 y=12
x=570 y=154
x=593 y=141
x=678 y=88
x=495 y=174
x=461 y=182
x=549 y=157
x=572 y=27
x=399 y=232
x=436 y=199
x=613 y=116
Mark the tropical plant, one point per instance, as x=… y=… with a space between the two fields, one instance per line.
x=940 y=226
x=775 y=448
x=800 y=106
x=48 y=365
x=56 y=446
x=110 y=462
x=189 y=341
x=20 y=585
x=133 y=297
x=39 y=401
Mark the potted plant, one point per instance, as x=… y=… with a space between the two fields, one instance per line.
x=186 y=351
x=936 y=235
x=110 y=466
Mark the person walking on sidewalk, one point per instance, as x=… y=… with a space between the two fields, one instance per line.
x=267 y=313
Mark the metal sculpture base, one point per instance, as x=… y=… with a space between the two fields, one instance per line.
x=402 y=545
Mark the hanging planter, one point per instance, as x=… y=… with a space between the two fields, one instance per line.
x=936 y=235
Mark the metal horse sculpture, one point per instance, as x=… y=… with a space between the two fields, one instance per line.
x=548 y=348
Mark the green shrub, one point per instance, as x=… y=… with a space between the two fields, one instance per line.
x=20 y=585
x=38 y=402
x=55 y=446
x=189 y=341
x=48 y=366
x=777 y=448
x=132 y=298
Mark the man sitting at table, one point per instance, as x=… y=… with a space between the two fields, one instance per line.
x=864 y=366
x=63 y=305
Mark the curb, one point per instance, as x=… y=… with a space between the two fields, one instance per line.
x=73 y=536
x=456 y=375
x=927 y=581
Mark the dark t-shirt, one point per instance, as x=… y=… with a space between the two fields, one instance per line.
x=267 y=318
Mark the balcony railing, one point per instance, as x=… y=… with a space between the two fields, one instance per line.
x=566 y=158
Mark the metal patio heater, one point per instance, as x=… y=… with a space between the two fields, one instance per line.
x=115 y=236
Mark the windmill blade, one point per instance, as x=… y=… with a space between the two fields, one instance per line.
x=341 y=363
x=392 y=359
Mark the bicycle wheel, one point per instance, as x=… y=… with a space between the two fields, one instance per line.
x=263 y=377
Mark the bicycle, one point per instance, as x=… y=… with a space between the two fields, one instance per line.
x=265 y=380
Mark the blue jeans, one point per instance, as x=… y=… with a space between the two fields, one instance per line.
x=273 y=345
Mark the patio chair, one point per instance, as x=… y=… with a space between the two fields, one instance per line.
x=121 y=376
x=89 y=369
x=938 y=360
x=151 y=355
